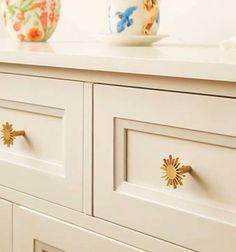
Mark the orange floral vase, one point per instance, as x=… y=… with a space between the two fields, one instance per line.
x=30 y=20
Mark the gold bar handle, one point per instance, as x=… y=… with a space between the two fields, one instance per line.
x=19 y=133
x=174 y=173
x=185 y=169
x=9 y=135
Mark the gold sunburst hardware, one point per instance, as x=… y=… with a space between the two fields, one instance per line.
x=9 y=135
x=174 y=173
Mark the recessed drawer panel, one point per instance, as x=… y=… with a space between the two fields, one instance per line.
x=46 y=160
x=138 y=132
x=41 y=146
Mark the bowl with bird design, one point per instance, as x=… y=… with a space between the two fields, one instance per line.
x=134 y=17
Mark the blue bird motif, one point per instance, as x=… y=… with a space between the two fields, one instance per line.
x=125 y=18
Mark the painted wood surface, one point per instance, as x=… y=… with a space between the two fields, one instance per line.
x=134 y=130
x=5 y=226
x=48 y=161
x=58 y=235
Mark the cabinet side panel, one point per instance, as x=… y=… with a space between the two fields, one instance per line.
x=5 y=226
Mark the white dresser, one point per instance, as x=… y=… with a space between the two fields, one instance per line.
x=117 y=149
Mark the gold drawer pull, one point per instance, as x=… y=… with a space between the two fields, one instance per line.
x=9 y=135
x=174 y=174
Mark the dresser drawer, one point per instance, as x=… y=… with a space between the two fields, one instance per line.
x=42 y=233
x=134 y=130
x=46 y=161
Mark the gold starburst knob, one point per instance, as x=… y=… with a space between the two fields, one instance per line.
x=174 y=173
x=9 y=135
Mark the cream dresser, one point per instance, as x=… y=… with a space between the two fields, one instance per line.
x=117 y=149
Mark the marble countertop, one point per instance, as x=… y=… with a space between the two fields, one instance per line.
x=166 y=58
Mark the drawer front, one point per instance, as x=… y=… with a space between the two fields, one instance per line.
x=45 y=234
x=5 y=226
x=134 y=130
x=46 y=162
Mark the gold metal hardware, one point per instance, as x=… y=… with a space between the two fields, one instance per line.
x=9 y=135
x=174 y=174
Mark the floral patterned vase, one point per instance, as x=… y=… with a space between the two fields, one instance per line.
x=30 y=20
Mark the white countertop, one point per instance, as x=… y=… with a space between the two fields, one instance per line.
x=164 y=59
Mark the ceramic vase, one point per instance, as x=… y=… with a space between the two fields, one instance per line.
x=30 y=20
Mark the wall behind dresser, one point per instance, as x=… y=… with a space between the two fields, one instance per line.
x=200 y=21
